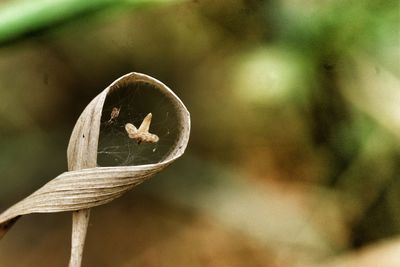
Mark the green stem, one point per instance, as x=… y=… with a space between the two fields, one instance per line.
x=20 y=17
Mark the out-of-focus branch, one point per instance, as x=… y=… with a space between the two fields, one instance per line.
x=21 y=17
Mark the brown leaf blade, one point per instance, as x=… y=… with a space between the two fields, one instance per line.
x=85 y=185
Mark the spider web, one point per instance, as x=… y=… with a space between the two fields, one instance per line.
x=135 y=101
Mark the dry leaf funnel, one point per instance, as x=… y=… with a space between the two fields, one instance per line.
x=87 y=185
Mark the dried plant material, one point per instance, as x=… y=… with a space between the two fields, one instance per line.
x=86 y=185
x=142 y=134
x=114 y=115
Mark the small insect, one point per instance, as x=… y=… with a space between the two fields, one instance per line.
x=142 y=134
x=114 y=115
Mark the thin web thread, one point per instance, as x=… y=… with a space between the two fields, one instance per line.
x=134 y=103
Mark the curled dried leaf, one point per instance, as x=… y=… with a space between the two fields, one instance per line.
x=86 y=185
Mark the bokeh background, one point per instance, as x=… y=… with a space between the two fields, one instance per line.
x=294 y=157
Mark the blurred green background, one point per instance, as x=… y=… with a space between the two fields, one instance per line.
x=294 y=157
